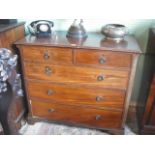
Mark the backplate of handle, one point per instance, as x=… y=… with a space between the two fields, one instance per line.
x=50 y=92
x=51 y=110
x=48 y=71
x=46 y=55
x=98 y=117
x=102 y=60
x=99 y=98
x=100 y=78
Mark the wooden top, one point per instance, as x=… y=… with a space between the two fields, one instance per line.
x=6 y=27
x=94 y=41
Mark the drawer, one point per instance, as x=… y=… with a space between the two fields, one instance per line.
x=77 y=75
x=47 y=54
x=103 y=59
x=76 y=95
x=77 y=115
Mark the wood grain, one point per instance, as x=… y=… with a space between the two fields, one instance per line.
x=149 y=114
x=12 y=35
x=103 y=58
x=76 y=95
x=47 y=55
x=94 y=41
x=87 y=82
x=78 y=75
x=78 y=115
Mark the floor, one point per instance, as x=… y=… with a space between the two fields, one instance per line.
x=55 y=129
x=42 y=128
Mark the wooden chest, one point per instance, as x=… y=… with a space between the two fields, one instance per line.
x=9 y=33
x=85 y=83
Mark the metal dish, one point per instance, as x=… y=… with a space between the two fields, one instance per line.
x=115 y=32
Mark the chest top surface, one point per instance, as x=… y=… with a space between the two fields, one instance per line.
x=94 y=41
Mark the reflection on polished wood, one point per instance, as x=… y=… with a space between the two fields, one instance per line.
x=92 y=42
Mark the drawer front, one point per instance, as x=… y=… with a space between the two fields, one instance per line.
x=77 y=115
x=47 y=55
x=76 y=95
x=77 y=75
x=102 y=59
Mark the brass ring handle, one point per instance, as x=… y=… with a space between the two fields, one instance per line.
x=51 y=110
x=99 y=98
x=46 y=56
x=48 y=71
x=102 y=60
x=98 y=117
x=50 y=92
x=100 y=78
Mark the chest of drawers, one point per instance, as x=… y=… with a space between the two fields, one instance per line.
x=87 y=83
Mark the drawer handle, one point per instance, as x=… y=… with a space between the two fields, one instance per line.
x=100 y=78
x=98 y=117
x=102 y=60
x=50 y=92
x=46 y=56
x=99 y=98
x=48 y=71
x=51 y=110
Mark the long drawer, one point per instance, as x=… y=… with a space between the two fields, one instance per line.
x=77 y=75
x=47 y=54
x=103 y=59
x=76 y=95
x=77 y=115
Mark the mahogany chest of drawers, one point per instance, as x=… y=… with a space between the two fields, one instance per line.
x=86 y=83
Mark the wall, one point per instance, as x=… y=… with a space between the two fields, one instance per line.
x=138 y=27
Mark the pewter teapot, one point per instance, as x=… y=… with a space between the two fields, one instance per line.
x=77 y=30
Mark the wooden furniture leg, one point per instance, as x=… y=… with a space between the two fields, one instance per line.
x=6 y=116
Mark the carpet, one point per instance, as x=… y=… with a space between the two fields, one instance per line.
x=42 y=128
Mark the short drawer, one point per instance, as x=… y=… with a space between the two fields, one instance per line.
x=102 y=59
x=77 y=115
x=77 y=75
x=76 y=95
x=47 y=54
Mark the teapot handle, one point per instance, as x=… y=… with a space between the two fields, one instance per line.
x=75 y=20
